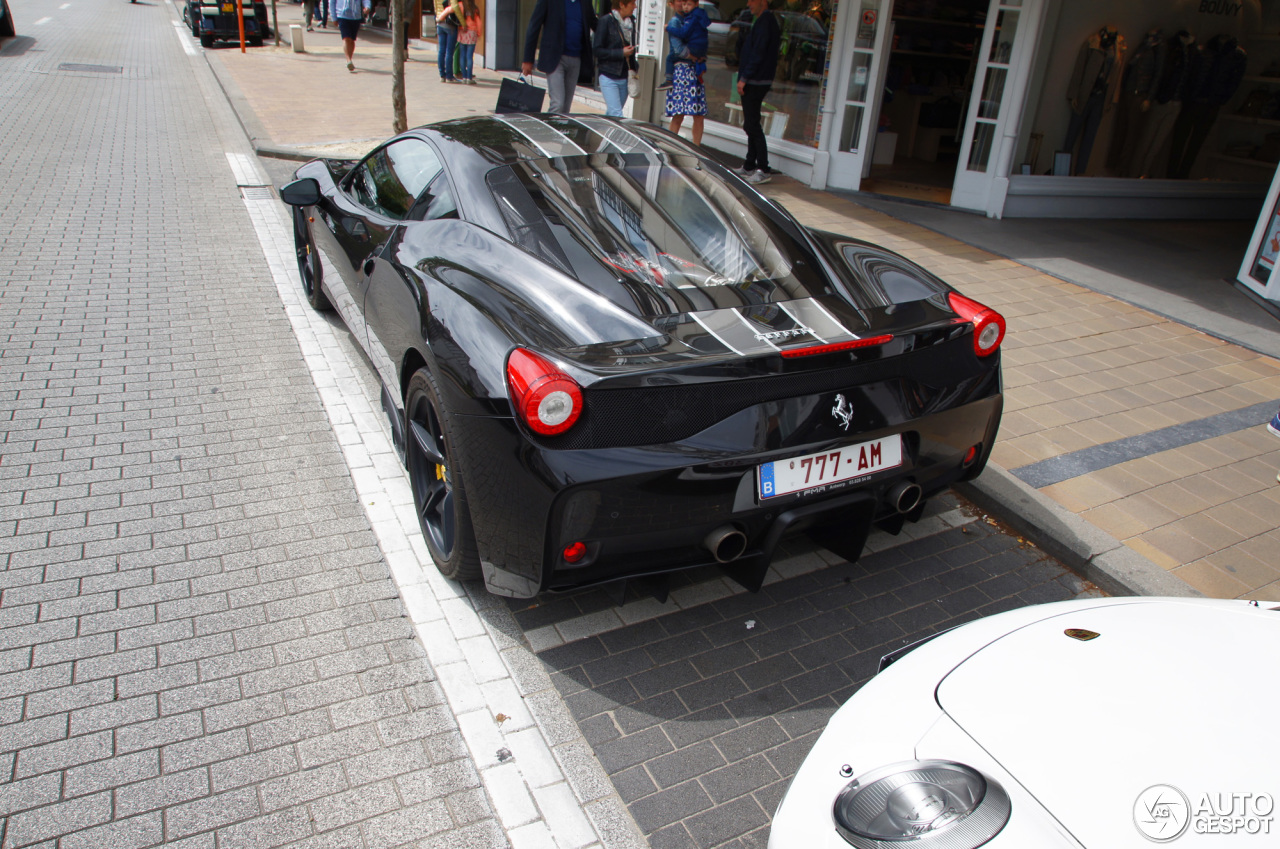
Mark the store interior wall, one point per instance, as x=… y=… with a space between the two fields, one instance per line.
x=1078 y=19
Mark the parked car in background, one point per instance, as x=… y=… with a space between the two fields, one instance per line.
x=1100 y=723
x=606 y=356
x=218 y=21
x=804 y=46
x=717 y=29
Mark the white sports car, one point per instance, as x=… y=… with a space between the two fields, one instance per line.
x=1100 y=723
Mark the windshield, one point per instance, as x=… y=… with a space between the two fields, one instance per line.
x=659 y=235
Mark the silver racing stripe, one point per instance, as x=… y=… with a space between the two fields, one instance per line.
x=825 y=326
x=707 y=327
x=616 y=136
x=803 y=323
x=546 y=138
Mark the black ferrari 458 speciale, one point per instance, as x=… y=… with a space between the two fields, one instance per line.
x=605 y=356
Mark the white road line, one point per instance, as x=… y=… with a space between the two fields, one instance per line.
x=482 y=670
x=184 y=38
x=42 y=22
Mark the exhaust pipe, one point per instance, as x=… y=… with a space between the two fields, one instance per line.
x=726 y=543
x=905 y=496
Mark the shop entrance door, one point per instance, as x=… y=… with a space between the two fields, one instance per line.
x=995 y=116
x=934 y=138
x=857 y=86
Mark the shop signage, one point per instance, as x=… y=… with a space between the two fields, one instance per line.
x=1220 y=7
x=867 y=26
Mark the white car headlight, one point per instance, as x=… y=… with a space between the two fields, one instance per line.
x=921 y=804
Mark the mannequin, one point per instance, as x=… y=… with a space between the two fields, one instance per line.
x=1222 y=68
x=1181 y=65
x=1137 y=90
x=1093 y=88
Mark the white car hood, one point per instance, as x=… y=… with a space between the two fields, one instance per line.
x=1182 y=694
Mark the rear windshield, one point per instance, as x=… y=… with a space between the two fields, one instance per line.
x=660 y=235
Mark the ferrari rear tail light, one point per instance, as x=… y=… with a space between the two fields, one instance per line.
x=988 y=325
x=575 y=552
x=814 y=350
x=971 y=455
x=548 y=400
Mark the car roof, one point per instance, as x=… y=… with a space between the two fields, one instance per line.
x=505 y=139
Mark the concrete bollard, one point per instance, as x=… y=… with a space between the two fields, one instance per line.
x=295 y=38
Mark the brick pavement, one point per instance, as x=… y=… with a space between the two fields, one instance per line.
x=702 y=716
x=200 y=640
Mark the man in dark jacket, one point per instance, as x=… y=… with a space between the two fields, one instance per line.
x=757 y=64
x=564 y=49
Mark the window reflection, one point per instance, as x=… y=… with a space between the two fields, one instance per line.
x=662 y=229
x=791 y=109
x=392 y=177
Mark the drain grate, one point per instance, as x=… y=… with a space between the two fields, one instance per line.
x=92 y=69
x=257 y=193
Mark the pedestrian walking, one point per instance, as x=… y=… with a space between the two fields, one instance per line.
x=470 y=31
x=560 y=32
x=349 y=14
x=614 y=48
x=1274 y=427
x=757 y=63
x=308 y=12
x=448 y=14
x=323 y=7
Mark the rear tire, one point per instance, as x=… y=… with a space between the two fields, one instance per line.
x=206 y=40
x=439 y=497
x=309 y=268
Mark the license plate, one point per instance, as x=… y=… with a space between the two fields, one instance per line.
x=229 y=8
x=783 y=477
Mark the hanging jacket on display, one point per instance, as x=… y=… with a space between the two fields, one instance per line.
x=1143 y=73
x=1223 y=69
x=1220 y=72
x=1097 y=62
x=1137 y=89
x=1181 y=66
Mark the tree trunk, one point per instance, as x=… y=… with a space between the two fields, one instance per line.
x=401 y=122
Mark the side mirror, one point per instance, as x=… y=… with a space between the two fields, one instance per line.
x=305 y=192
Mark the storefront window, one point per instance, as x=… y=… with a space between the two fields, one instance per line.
x=851 y=134
x=791 y=109
x=1006 y=31
x=1157 y=90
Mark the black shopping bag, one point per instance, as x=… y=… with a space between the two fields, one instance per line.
x=519 y=96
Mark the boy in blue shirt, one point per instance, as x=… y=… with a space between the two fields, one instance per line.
x=688 y=39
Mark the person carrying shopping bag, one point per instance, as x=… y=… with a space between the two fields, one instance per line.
x=559 y=33
x=615 y=54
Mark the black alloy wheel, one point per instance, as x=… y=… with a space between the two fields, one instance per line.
x=308 y=262
x=438 y=494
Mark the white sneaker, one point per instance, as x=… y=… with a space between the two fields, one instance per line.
x=757 y=178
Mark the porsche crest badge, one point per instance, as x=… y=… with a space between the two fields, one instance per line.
x=1082 y=634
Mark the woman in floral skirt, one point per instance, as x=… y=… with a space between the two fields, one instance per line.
x=686 y=96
